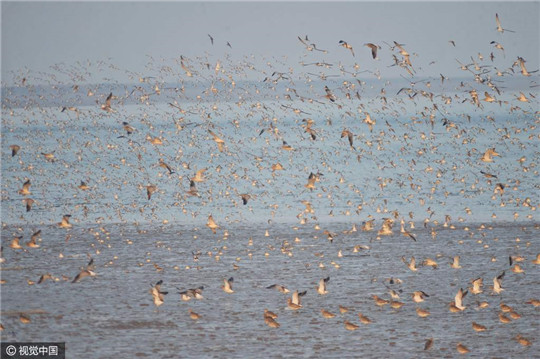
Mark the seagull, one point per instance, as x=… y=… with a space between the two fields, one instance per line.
x=418 y=296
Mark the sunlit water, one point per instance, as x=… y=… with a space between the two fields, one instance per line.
x=409 y=166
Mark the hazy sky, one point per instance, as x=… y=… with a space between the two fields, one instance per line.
x=36 y=35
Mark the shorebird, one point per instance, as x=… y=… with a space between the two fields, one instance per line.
x=15 y=243
x=107 y=105
x=44 y=277
x=150 y=189
x=489 y=154
x=279 y=288
x=166 y=166
x=227 y=285
x=245 y=198
x=499 y=26
x=192 y=189
x=364 y=319
x=347 y=46
x=422 y=313
x=386 y=228
x=327 y=314
x=411 y=265
x=455 y=263
x=373 y=48
x=418 y=296
x=477 y=286
x=429 y=344
x=128 y=128
x=321 y=288
x=218 y=140
x=350 y=326
x=199 y=175
x=83 y=186
x=462 y=349
x=379 y=301
x=478 y=327
x=349 y=135
x=458 y=300
x=271 y=322
x=157 y=294
x=195 y=293
x=33 y=240
x=497 y=283
x=65 y=222
x=212 y=224
x=86 y=272
x=193 y=315
x=343 y=309
x=28 y=202
x=14 y=149
x=295 y=299
x=26 y=188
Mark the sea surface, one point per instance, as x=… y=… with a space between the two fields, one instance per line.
x=416 y=164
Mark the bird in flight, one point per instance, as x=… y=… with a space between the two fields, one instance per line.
x=211 y=39
x=373 y=48
x=347 y=46
x=499 y=26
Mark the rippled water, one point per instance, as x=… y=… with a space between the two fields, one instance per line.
x=419 y=164
x=113 y=314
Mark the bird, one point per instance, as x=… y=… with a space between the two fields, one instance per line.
x=418 y=296
x=193 y=315
x=458 y=300
x=279 y=288
x=107 y=105
x=218 y=140
x=489 y=154
x=211 y=39
x=157 y=294
x=350 y=137
x=25 y=191
x=373 y=48
x=295 y=299
x=227 y=285
x=86 y=272
x=245 y=198
x=477 y=286
x=347 y=46
x=33 y=240
x=428 y=344
x=193 y=189
x=499 y=26
x=462 y=349
x=166 y=166
x=478 y=327
x=212 y=224
x=364 y=319
x=14 y=149
x=150 y=189
x=422 y=313
x=326 y=314
x=15 y=243
x=199 y=175
x=497 y=283
x=65 y=222
x=321 y=288
x=455 y=263
x=350 y=326
x=83 y=186
x=411 y=265
x=271 y=322
x=386 y=228
x=28 y=202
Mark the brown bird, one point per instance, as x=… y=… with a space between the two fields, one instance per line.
x=350 y=326
x=65 y=222
x=212 y=224
x=150 y=189
x=193 y=315
x=28 y=203
x=26 y=188
x=327 y=314
x=462 y=349
x=87 y=272
x=157 y=294
x=218 y=140
x=347 y=46
x=373 y=48
x=107 y=105
x=33 y=240
x=499 y=26
x=429 y=344
x=14 y=149
x=227 y=285
x=349 y=135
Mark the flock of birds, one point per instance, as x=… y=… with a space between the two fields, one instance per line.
x=230 y=157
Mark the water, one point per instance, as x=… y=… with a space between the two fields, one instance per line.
x=113 y=314
x=409 y=166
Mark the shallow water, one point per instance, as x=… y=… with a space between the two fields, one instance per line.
x=113 y=314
